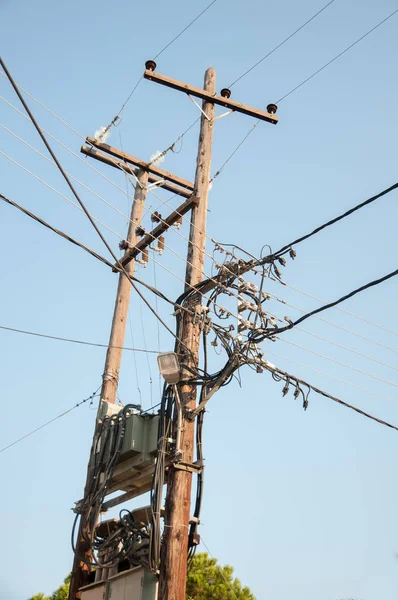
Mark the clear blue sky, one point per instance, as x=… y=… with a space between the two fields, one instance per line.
x=301 y=504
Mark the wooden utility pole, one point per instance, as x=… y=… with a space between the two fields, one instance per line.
x=110 y=378
x=173 y=567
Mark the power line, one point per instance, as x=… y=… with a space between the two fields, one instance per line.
x=337 y=362
x=116 y=118
x=306 y=80
x=282 y=43
x=47 y=145
x=93 y=192
x=185 y=28
x=93 y=395
x=55 y=230
x=221 y=569
x=104 y=260
x=342 y=299
x=56 y=191
x=375 y=360
x=73 y=341
x=359 y=387
x=292 y=378
x=347 y=312
x=358 y=335
x=131 y=279
x=337 y=56
x=47 y=109
x=339 y=218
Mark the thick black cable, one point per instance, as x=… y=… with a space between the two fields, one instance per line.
x=52 y=154
x=46 y=143
x=282 y=43
x=339 y=301
x=55 y=230
x=80 y=245
x=336 y=219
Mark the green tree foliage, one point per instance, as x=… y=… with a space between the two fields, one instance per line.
x=206 y=580
x=60 y=594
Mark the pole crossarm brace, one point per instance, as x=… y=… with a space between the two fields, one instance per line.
x=122 y=166
x=215 y=99
x=138 y=162
x=163 y=226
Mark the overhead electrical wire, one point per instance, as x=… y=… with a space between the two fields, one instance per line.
x=292 y=378
x=347 y=312
x=78 y=197
x=63 y=414
x=185 y=28
x=55 y=230
x=336 y=219
x=337 y=56
x=57 y=192
x=354 y=333
x=73 y=341
x=338 y=362
x=116 y=118
x=93 y=395
x=342 y=299
x=308 y=79
x=371 y=358
x=289 y=37
x=95 y=194
x=283 y=249
x=101 y=198
x=315 y=370
x=102 y=259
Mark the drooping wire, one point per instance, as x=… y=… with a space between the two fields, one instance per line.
x=66 y=412
x=315 y=370
x=289 y=37
x=338 y=362
x=46 y=143
x=72 y=341
x=308 y=79
x=337 y=56
x=293 y=379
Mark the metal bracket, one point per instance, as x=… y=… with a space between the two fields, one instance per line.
x=196 y=467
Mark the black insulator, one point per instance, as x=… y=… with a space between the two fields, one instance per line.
x=123 y=245
x=150 y=65
x=272 y=108
x=225 y=93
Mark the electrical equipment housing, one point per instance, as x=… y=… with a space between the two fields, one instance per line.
x=134 y=583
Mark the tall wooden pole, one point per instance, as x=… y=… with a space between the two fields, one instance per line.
x=173 y=568
x=110 y=378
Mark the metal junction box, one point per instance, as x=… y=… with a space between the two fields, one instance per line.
x=135 y=584
x=136 y=463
